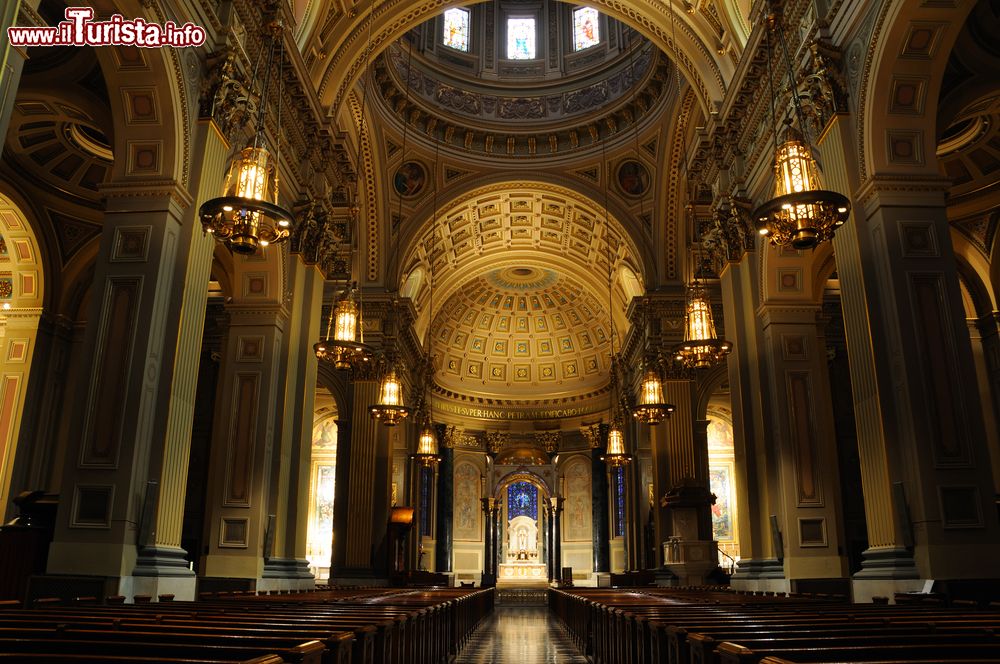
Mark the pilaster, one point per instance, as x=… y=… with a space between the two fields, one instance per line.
x=11 y=63
x=120 y=454
x=239 y=523
x=287 y=566
x=755 y=483
x=802 y=431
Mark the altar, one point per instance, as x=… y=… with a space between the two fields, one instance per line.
x=520 y=572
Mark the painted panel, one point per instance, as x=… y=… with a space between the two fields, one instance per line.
x=721 y=483
x=468 y=524
x=578 y=508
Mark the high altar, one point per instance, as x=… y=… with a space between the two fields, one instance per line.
x=522 y=556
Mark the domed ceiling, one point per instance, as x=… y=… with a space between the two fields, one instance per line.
x=522 y=332
x=477 y=97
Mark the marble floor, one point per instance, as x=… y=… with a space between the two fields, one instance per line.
x=521 y=635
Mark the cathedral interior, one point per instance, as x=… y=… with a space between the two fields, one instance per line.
x=512 y=294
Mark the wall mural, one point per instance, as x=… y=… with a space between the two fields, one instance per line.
x=409 y=179
x=319 y=537
x=633 y=178
x=578 y=507
x=467 y=507
x=720 y=479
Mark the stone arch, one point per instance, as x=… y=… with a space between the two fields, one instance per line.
x=633 y=249
x=906 y=56
x=150 y=90
x=521 y=475
x=22 y=295
x=711 y=381
x=696 y=50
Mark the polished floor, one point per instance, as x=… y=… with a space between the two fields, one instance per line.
x=521 y=635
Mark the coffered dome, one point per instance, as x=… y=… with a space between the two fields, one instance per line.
x=522 y=332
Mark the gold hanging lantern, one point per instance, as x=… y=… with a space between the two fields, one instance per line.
x=390 y=409
x=247 y=215
x=427 y=446
x=616 y=455
x=650 y=408
x=800 y=214
x=344 y=345
x=701 y=347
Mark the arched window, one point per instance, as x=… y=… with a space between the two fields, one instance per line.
x=618 y=496
x=586 y=31
x=521 y=38
x=456 y=29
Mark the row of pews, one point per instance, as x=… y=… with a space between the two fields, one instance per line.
x=333 y=626
x=715 y=625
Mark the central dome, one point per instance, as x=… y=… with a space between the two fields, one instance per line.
x=518 y=79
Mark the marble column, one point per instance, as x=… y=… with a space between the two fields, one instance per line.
x=341 y=534
x=549 y=552
x=557 y=505
x=687 y=498
x=445 y=508
x=600 y=513
x=366 y=488
x=489 y=576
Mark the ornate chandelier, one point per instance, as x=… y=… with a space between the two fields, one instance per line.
x=427 y=445
x=650 y=407
x=701 y=347
x=801 y=214
x=345 y=348
x=247 y=215
x=390 y=409
x=616 y=455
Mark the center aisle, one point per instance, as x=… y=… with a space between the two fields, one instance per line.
x=521 y=635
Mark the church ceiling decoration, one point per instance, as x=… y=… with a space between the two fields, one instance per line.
x=555 y=119
x=522 y=332
x=61 y=145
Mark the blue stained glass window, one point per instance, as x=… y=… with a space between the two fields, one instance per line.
x=426 y=480
x=586 y=32
x=456 y=29
x=522 y=500
x=618 y=486
x=521 y=38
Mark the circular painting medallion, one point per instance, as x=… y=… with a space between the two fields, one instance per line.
x=409 y=179
x=633 y=178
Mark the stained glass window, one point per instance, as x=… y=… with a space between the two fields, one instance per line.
x=522 y=500
x=586 y=32
x=521 y=38
x=618 y=488
x=456 y=29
